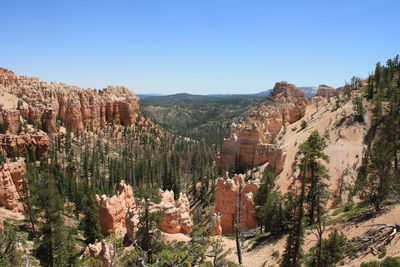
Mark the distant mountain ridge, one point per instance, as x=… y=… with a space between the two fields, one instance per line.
x=309 y=91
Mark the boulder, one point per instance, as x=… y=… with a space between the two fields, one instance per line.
x=1 y=225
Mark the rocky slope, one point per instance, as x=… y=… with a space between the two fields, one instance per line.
x=344 y=136
x=251 y=141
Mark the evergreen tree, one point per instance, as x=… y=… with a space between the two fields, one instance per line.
x=311 y=187
x=52 y=246
x=90 y=222
x=148 y=221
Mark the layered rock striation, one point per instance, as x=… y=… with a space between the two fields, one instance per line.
x=43 y=103
x=230 y=195
x=251 y=142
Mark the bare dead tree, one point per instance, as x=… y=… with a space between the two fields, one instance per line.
x=375 y=240
x=237 y=222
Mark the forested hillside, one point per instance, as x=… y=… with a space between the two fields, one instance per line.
x=199 y=117
x=88 y=179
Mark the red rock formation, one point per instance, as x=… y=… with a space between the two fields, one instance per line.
x=76 y=107
x=112 y=210
x=250 y=142
x=7 y=77
x=11 y=182
x=176 y=213
x=132 y=222
x=102 y=251
x=287 y=90
x=326 y=91
x=176 y=217
x=120 y=213
x=37 y=142
x=226 y=203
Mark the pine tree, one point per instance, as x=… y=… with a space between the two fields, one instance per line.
x=148 y=221
x=311 y=177
x=90 y=222
x=52 y=246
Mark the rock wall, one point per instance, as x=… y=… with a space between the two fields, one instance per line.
x=11 y=182
x=226 y=204
x=76 y=107
x=326 y=91
x=251 y=141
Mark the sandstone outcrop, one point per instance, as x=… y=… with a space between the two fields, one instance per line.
x=176 y=217
x=228 y=193
x=102 y=251
x=326 y=91
x=287 y=90
x=75 y=107
x=251 y=141
x=176 y=213
x=120 y=213
x=37 y=143
x=11 y=182
x=112 y=210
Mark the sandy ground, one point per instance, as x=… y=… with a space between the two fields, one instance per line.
x=261 y=256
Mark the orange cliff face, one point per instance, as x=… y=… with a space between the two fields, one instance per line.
x=227 y=196
x=11 y=183
x=120 y=213
x=43 y=103
x=251 y=141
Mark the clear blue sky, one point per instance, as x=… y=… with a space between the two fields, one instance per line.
x=197 y=46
